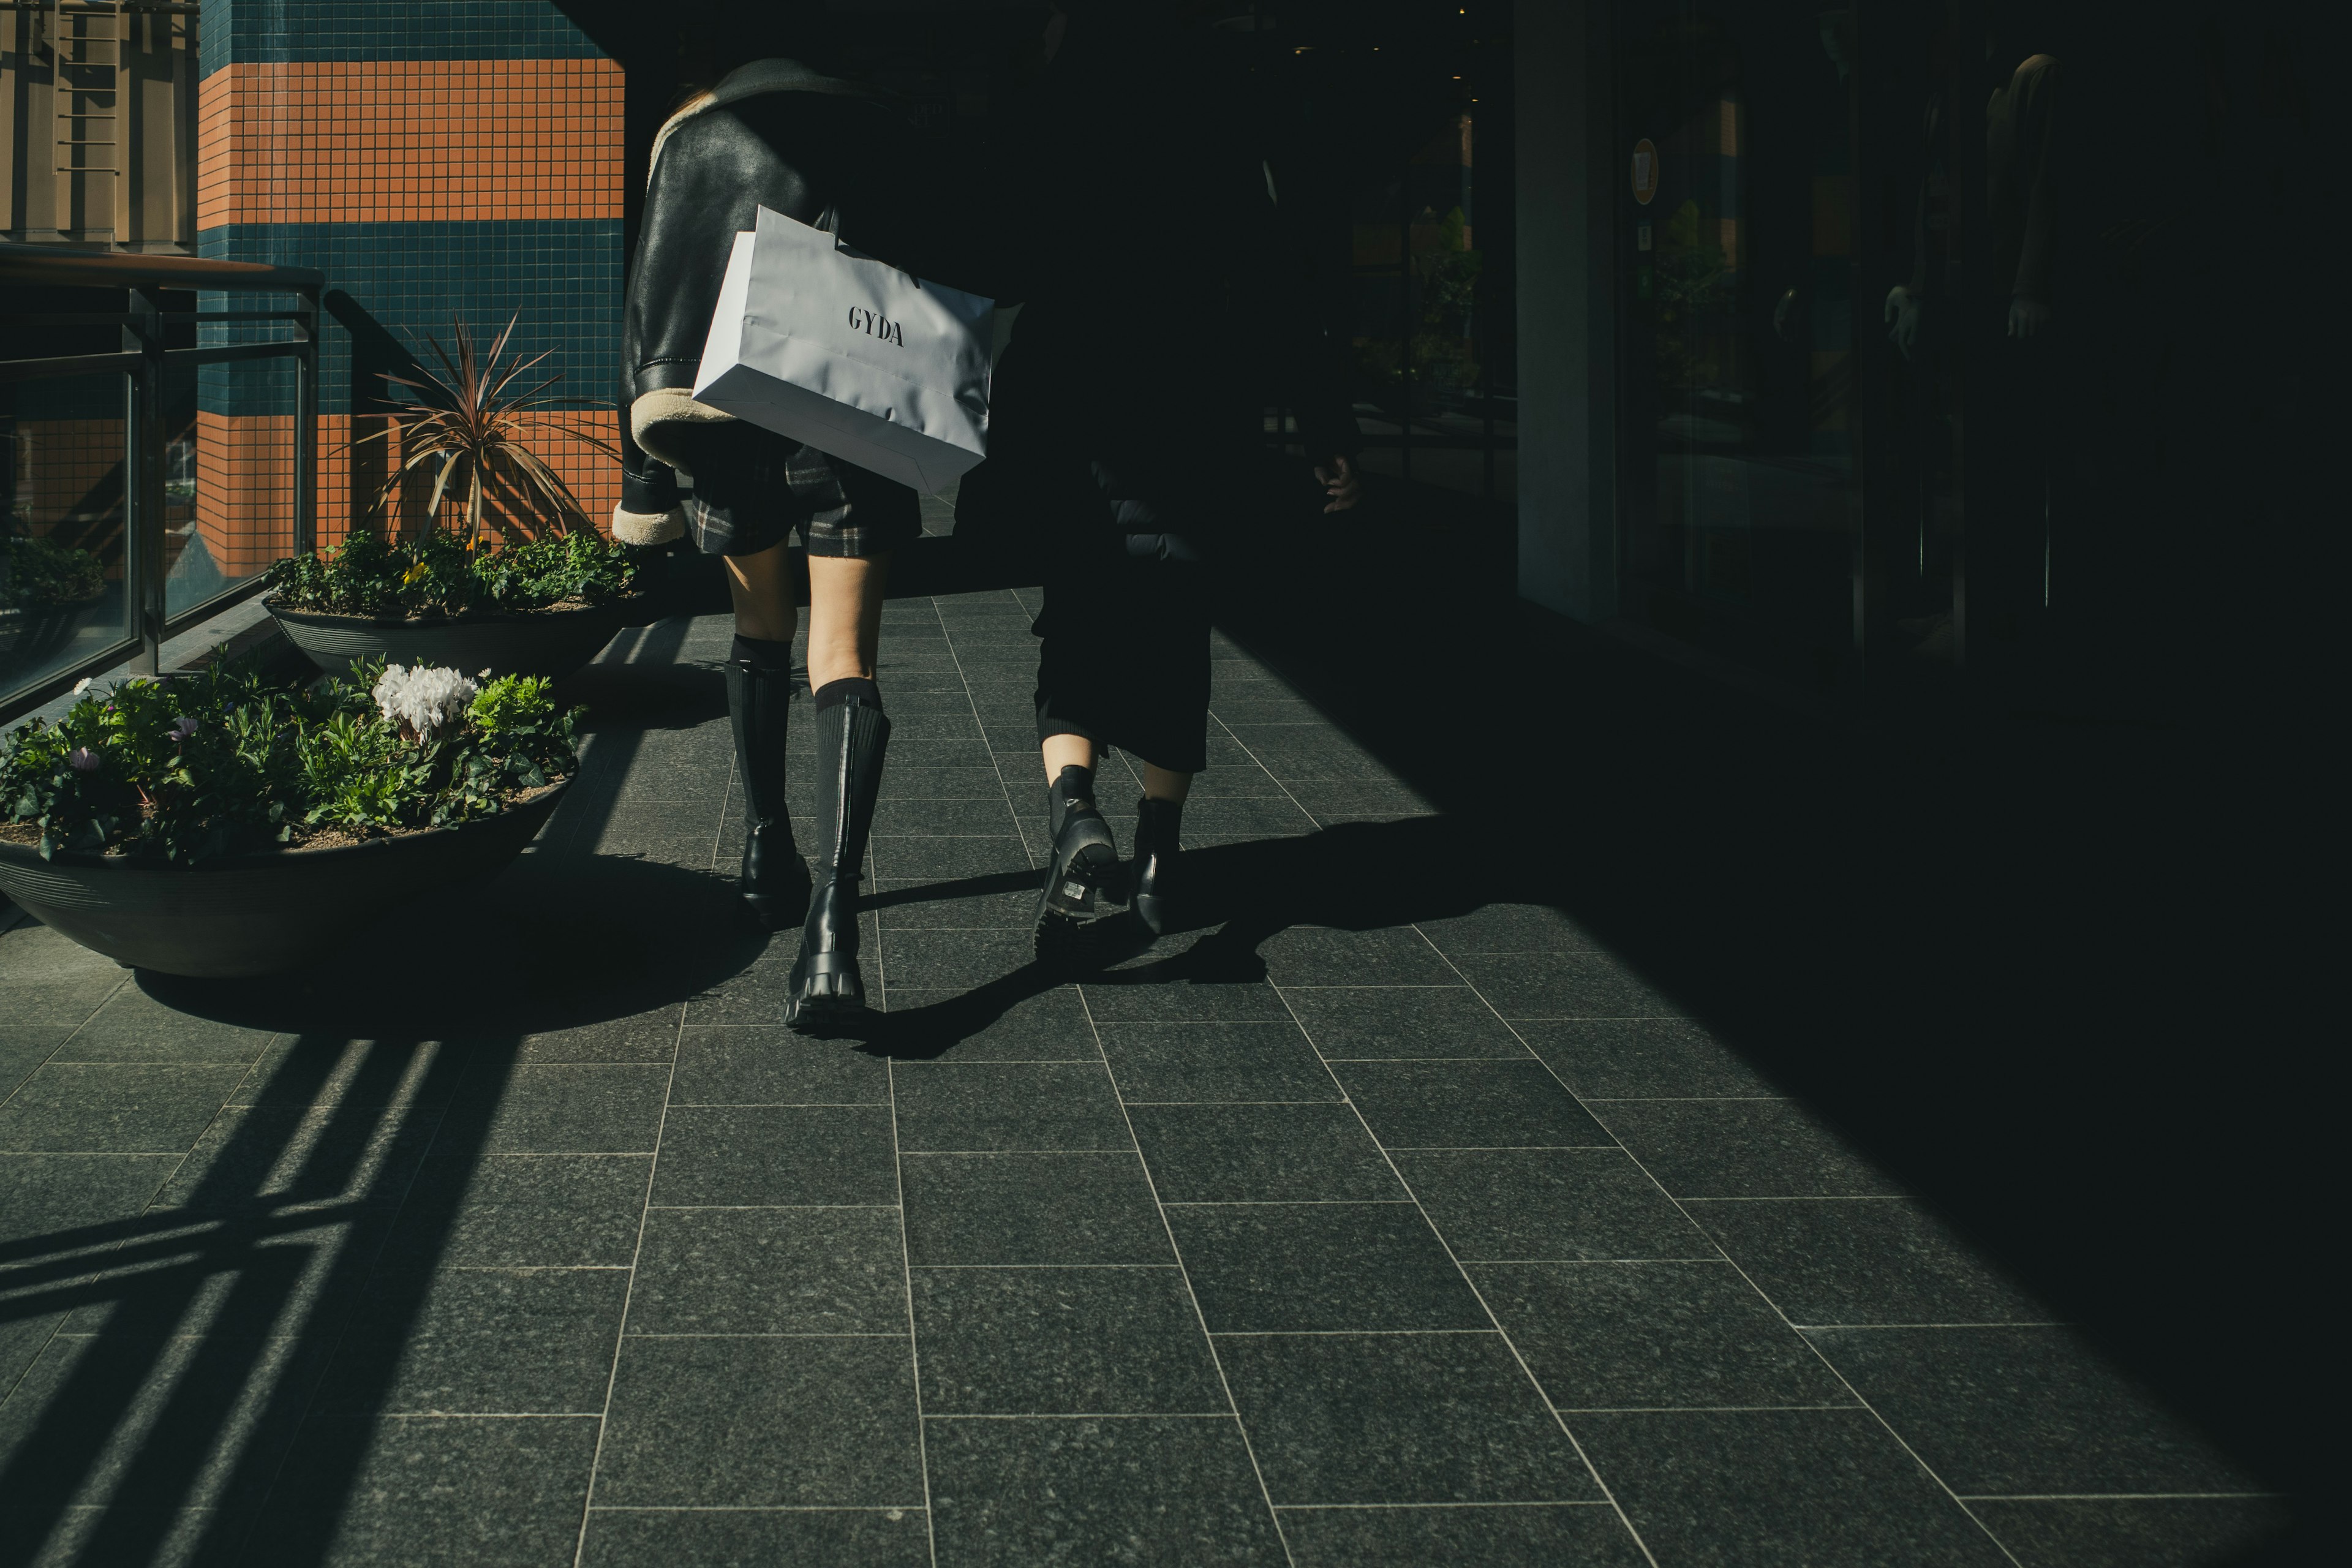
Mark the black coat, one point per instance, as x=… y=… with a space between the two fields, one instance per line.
x=1167 y=302
x=776 y=134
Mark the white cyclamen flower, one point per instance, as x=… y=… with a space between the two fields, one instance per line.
x=81 y=686
x=423 y=698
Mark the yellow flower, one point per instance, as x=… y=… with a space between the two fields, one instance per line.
x=409 y=577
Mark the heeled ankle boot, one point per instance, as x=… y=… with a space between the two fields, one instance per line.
x=1084 y=857
x=826 y=987
x=1157 y=825
x=775 y=881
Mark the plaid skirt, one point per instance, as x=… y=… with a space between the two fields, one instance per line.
x=763 y=486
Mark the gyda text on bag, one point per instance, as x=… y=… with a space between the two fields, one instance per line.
x=877 y=326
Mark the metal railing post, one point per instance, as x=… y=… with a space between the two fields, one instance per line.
x=306 y=427
x=142 y=480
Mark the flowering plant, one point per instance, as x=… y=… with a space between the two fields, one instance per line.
x=437 y=574
x=219 y=762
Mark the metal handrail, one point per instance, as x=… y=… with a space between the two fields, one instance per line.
x=142 y=359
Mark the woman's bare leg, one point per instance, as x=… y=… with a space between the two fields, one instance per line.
x=762 y=588
x=845 y=616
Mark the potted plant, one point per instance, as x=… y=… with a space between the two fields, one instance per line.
x=214 y=825
x=44 y=589
x=541 y=601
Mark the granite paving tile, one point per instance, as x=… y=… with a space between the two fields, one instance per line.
x=1031 y=1208
x=938 y=959
x=1504 y=1535
x=2134 y=1532
x=132 y=1027
x=1653 y=1336
x=1209 y=1061
x=1311 y=956
x=693 y=1424
x=1863 y=1260
x=1562 y=985
x=1399 y=1418
x=1739 y=1149
x=956 y=1025
x=49 y=1202
x=1641 y=1059
x=1350 y=1022
x=806 y=1538
x=1065 y=1341
x=2023 y=1411
x=1008 y=1105
x=152 y=1537
x=773 y=1066
x=1778 y=1489
x=315 y=1070
x=1111 y=1001
x=487 y=1341
x=1268 y=1153
x=603 y=1108
x=1468 y=1105
x=770 y=1271
x=492 y=1493
x=114 y=1108
x=1299 y=1268
x=261 y=1158
x=171 y=1419
x=1509 y=927
x=1152 y=1491
x=776 y=1155
x=54 y=1003
x=1548 y=1205
x=521 y=1211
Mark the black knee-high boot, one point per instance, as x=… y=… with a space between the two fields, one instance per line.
x=1158 y=825
x=826 y=987
x=775 y=881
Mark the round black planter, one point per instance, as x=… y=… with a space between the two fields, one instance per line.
x=239 y=915
x=538 y=642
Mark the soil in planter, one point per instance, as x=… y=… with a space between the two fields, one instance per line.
x=29 y=833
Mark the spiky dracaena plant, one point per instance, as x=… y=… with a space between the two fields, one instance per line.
x=474 y=431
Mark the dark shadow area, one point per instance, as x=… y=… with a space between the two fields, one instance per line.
x=216 y=1317
x=2015 y=961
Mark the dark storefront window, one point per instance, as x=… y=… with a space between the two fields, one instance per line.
x=1741 y=492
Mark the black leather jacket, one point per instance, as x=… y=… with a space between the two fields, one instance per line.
x=779 y=135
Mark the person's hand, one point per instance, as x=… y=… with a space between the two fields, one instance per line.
x=1340 y=483
x=2027 y=317
x=1902 y=318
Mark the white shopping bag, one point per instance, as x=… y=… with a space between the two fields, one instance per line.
x=816 y=341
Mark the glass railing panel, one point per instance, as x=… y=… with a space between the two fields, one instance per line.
x=63 y=589
x=228 y=465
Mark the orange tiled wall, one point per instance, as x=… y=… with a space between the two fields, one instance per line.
x=245 y=466
x=409 y=142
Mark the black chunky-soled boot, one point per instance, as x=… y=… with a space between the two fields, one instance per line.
x=775 y=880
x=1083 y=858
x=1159 y=824
x=825 y=988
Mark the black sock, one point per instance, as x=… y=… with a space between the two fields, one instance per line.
x=1073 y=787
x=761 y=654
x=834 y=694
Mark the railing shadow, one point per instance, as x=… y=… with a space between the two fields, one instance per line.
x=213 y=1320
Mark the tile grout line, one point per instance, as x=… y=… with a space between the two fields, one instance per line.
x=628 y=1295
x=914 y=1343
x=1151 y=1183
x=1761 y=1294
x=980 y=723
x=1607 y=1491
